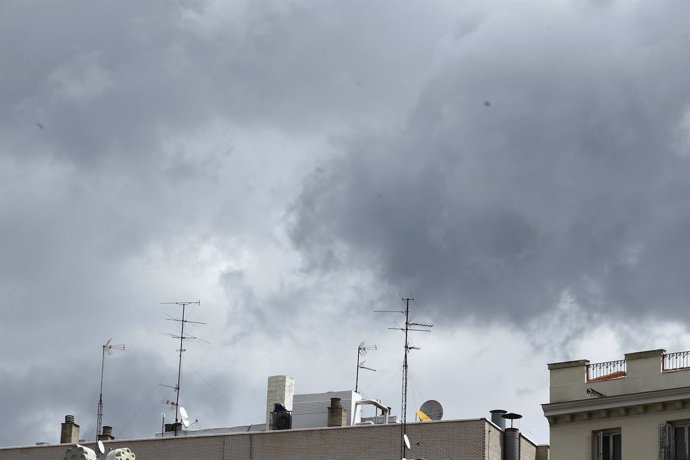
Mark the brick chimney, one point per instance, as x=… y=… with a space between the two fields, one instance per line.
x=70 y=431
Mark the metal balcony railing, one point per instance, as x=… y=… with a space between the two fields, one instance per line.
x=606 y=371
x=676 y=361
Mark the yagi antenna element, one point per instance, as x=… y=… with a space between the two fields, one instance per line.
x=362 y=351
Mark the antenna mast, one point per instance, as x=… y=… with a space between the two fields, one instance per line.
x=362 y=351
x=107 y=348
x=182 y=337
x=410 y=326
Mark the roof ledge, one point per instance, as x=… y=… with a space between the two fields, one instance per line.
x=645 y=354
x=566 y=364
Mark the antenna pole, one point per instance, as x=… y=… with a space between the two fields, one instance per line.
x=179 y=365
x=359 y=351
x=403 y=426
x=182 y=337
x=107 y=348
x=99 y=419
x=410 y=326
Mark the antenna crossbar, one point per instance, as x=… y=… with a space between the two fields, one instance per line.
x=409 y=329
x=186 y=321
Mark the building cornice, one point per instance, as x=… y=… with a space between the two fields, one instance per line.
x=618 y=405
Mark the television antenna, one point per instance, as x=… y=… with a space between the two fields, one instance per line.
x=107 y=349
x=410 y=326
x=362 y=351
x=181 y=337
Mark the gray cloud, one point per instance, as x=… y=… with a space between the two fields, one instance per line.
x=535 y=164
x=487 y=159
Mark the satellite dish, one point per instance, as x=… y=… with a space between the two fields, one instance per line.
x=184 y=416
x=422 y=416
x=407 y=441
x=80 y=452
x=101 y=447
x=432 y=409
x=122 y=453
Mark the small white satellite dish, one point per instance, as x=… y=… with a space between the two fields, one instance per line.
x=101 y=447
x=184 y=416
x=407 y=441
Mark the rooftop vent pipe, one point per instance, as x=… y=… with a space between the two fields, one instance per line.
x=497 y=418
x=385 y=410
x=511 y=438
x=511 y=444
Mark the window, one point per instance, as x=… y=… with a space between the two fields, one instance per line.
x=607 y=445
x=674 y=441
x=680 y=442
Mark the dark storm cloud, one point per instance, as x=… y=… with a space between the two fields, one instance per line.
x=118 y=80
x=128 y=137
x=541 y=161
x=148 y=152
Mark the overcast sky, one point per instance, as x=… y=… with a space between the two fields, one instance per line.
x=520 y=168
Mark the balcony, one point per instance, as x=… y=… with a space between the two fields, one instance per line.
x=676 y=361
x=639 y=372
x=608 y=370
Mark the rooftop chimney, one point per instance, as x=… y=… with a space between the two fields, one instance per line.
x=280 y=390
x=337 y=416
x=497 y=418
x=511 y=444
x=107 y=434
x=511 y=438
x=70 y=431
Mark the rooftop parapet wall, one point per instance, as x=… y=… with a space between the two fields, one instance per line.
x=639 y=372
x=438 y=439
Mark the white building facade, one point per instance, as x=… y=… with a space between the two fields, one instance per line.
x=635 y=408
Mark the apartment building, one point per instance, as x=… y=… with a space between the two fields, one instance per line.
x=633 y=408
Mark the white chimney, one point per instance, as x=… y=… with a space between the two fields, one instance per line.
x=280 y=390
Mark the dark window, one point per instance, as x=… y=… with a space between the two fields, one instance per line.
x=674 y=440
x=607 y=445
x=680 y=442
